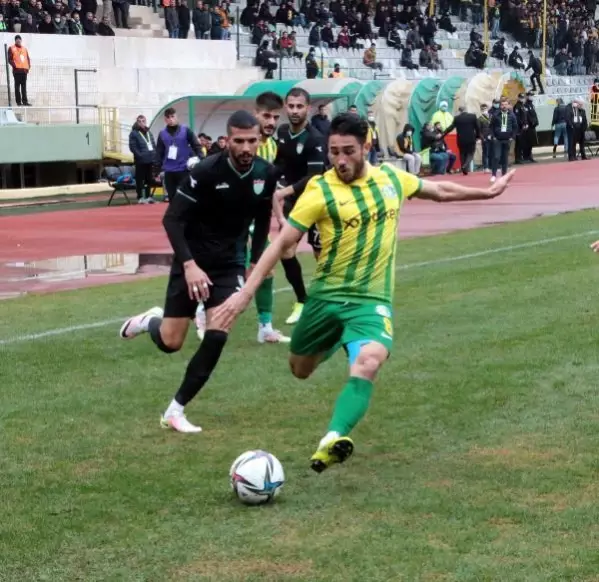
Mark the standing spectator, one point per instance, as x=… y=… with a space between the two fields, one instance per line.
x=202 y=21
x=405 y=144
x=176 y=144
x=536 y=66
x=522 y=113
x=143 y=148
x=373 y=140
x=576 y=120
x=560 y=62
x=312 y=68
x=18 y=59
x=321 y=121
x=184 y=16
x=560 y=126
x=504 y=128
x=171 y=18
x=484 y=122
x=468 y=132
x=120 y=9
x=531 y=138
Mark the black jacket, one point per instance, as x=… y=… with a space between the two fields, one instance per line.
x=511 y=126
x=139 y=145
x=582 y=115
x=467 y=127
x=559 y=115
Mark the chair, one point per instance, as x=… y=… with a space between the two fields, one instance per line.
x=121 y=179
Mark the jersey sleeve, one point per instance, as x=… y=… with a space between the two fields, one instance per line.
x=407 y=184
x=310 y=207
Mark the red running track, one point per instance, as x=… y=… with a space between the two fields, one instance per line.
x=536 y=190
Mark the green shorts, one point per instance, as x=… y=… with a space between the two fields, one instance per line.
x=323 y=324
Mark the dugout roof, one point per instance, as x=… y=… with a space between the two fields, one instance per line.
x=209 y=113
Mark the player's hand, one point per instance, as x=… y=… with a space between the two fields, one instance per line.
x=227 y=312
x=501 y=185
x=595 y=246
x=198 y=283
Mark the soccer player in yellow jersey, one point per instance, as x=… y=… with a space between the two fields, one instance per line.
x=350 y=302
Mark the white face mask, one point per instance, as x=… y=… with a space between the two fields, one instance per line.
x=408 y=133
x=370 y=118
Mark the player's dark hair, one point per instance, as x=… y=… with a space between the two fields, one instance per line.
x=350 y=124
x=170 y=111
x=298 y=92
x=241 y=119
x=268 y=101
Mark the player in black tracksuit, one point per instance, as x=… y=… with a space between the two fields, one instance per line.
x=207 y=224
x=301 y=154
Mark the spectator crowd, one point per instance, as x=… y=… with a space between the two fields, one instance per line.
x=75 y=17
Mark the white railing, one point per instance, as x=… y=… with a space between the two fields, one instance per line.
x=56 y=115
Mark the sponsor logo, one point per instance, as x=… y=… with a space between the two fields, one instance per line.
x=221 y=186
x=299 y=148
x=388 y=192
x=367 y=217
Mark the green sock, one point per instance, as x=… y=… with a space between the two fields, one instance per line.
x=265 y=300
x=351 y=405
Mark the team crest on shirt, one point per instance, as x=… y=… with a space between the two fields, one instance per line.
x=383 y=311
x=388 y=191
x=258 y=187
x=299 y=148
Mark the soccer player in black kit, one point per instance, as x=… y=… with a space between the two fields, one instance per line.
x=301 y=154
x=207 y=224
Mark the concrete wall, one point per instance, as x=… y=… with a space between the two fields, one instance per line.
x=33 y=143
x=138 y=72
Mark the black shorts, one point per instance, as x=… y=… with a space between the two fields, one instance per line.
x=225 y=282
x=313 y=234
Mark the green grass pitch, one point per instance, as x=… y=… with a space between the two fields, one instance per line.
x=476 y=462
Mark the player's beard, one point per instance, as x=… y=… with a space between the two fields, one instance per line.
x=297 y=120
x=267 y=131
x=348 y=175
x=242 y=162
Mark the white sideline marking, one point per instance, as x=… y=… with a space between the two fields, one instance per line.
x=535 y=243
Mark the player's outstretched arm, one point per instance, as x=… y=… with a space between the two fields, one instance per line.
x=227 y=312
x=454 y=192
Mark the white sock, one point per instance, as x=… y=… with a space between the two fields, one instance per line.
x=174 y=408
x=266 y=327
x=328 y=438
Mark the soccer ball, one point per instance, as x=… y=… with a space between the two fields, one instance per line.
x=256 y=477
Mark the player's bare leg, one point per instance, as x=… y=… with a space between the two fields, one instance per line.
x=198 y=372
x=351 y=406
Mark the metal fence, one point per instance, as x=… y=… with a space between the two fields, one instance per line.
x=54 y=82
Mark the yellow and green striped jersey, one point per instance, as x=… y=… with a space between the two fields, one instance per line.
x=268 y=149
x=358 y=232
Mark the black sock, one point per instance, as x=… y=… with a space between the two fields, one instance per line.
x=201 y=365
x=154 y=330
x=293 y=272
